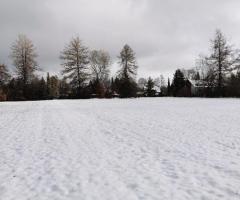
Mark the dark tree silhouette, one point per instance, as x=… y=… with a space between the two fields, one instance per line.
x=178 y=82
x=149 y=87
x=169 y=88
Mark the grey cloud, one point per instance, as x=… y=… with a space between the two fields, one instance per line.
x=165 y=34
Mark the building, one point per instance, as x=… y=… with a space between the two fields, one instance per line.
x=198 y=87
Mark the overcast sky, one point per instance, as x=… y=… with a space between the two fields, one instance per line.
x=165 y=34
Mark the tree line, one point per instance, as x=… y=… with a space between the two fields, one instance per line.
x=86 y=74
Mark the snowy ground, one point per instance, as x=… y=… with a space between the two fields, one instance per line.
x=159 y=148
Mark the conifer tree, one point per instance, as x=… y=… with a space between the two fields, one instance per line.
x=222 y=61
x=75 y=63
x=24 y=58
x=150 y=86
x=178 y=82
x=128 y=72
x=169 y=88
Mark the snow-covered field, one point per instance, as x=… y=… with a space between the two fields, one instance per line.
x=158 y=148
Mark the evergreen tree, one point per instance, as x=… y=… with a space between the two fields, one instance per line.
x=15 y=92
x=48 y=86
x=53 y=87
x=169 y=88
x=233 y=88
x=150 y=86
x=42 y=89
x=178 y=82
x=4 y=78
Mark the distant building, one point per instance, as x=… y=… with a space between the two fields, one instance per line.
x=141 y=94
x=112 y=94
x=155 y=92
x=198 y=87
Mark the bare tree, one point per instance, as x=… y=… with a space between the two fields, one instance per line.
x=128 y=63
x=24 y=58
x=160 y=82
x=201 y=66
x=157 y=82
x=99 y=63
x=142 y=83
x=189 y=73
x=75 y=62
x=4 y=75
x=222 y=60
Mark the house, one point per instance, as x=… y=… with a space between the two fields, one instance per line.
x=111 y=94
x=115 y=94
x=155 y=92
x=141 y=94
x=198 y=87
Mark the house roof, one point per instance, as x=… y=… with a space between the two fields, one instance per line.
x=197 y=83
